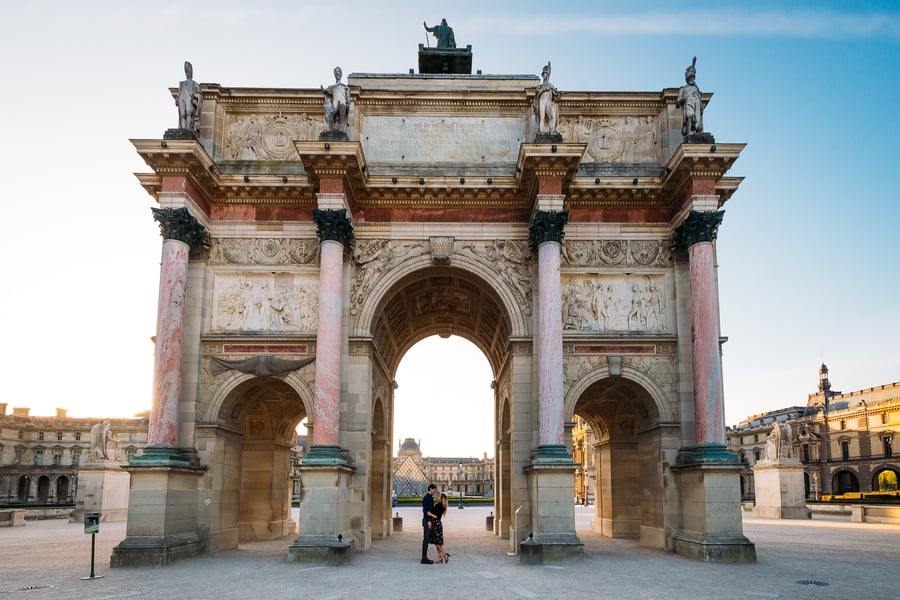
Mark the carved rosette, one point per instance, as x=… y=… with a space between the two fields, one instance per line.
x=547 y=226
x=700 y=226
x=179 y=224
x=333 y=225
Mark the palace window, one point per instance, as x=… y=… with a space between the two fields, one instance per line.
x=888 y=446
x=805 y=452
x=843 y=424
x=40 y=436
x=59 y=436
x=756 y=455
x=21 y=435
x=18 y=456
x=76 y=456
x=77 y=436
x=57 y=457
x=884 y=418
x=845 y=450
x=39 y=457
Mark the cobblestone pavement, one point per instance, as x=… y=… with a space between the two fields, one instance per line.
x=824 y=557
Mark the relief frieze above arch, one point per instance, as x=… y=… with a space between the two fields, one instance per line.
x=268 y=137
x=624 y=253
x=511 y=260
x=629 y=139
x=271 y=251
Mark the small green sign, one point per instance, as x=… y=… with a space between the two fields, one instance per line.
x=92 y=523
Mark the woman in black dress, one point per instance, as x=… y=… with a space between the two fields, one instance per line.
x=437 y=529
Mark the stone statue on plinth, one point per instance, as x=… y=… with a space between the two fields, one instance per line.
x=442 y=33
x=103 y=445
x=778 y=479
x=189 y=102
x=546 y=99
x=692 y=104
x=337 y=109
x=779 y=442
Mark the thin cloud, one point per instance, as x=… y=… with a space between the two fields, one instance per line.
x=784 y=24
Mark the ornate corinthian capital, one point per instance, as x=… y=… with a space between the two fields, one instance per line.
x=179 y=224
x=333 y=225
x=698 y=227
x=547 y=226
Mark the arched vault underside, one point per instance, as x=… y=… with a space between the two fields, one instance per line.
x=445 y=301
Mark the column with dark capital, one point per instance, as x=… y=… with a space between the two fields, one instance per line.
x=335 y=231
x=181 y=232
x=545 y=235
x=696 y=235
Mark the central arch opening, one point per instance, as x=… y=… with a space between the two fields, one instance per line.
x=443 y=335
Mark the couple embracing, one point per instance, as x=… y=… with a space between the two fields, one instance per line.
x=434 y=505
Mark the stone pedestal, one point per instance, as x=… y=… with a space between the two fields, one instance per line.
x=779 y=489
x=162 y=511
x=325 y=533
x=552 y=511
x=102 y=488
x=448 y=61
x=708 y=480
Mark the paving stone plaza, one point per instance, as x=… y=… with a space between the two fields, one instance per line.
x=795 y=559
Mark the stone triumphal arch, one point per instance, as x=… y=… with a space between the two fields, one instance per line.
x=303 y=256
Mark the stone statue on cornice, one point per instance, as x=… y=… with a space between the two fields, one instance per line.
x=690 y=101
x=337 y=108
x=189 y=101
x=546 y=98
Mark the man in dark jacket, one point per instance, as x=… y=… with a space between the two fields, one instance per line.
x=427 y=517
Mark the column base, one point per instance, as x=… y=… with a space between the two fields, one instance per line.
x=552 y=547
x=708 y=480
x=162 y=510
x=320 y=549
x=552 y=454
x=327 y=455
x=154 y=551
x=164 y=456
x=713 y=548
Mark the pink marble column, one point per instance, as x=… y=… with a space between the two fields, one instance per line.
x=180 y=232
x=328 y=345
x=550 y=355
x=163 y=426
x=709 y=402
x=546 y=234
x=335 y=232
x=696 y=235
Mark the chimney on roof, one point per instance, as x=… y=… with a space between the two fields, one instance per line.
x=19 y=411
x=61 y=413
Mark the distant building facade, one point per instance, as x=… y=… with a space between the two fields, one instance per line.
x=583 y=443
x=412 y=472
x=845 y=440
x=40 y=457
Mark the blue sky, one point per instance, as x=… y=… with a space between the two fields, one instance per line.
x=806 y=251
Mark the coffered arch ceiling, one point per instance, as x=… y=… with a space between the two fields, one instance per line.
x=444 y=301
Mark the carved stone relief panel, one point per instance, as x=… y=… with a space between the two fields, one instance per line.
x=631 y=139
x=264 y=302
x=615 y=303
x=268 y=137
x=511 y=260
x=372 y=259
x=272 y=251
x=626 y=253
